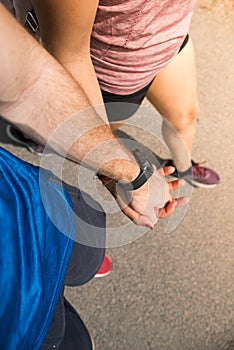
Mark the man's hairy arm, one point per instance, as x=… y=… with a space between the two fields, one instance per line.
x=38 y=95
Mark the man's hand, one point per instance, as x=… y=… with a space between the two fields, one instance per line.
x=150 y=202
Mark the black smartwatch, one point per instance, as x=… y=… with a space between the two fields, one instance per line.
x=145 y=173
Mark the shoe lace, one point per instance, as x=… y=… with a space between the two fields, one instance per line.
x=199 y=171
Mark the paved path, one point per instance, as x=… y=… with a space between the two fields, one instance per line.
x=176 y=291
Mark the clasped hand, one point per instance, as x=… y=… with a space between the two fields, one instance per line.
x=150 y=202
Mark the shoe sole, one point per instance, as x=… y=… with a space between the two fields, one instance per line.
x=13 y=138
x=192 y=182
x=92 y=340
x=99 y=275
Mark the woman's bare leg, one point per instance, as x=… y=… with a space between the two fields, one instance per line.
x=174 y=94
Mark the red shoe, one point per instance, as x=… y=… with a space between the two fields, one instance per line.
x=105 y=268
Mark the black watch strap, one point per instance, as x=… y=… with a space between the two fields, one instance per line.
x=145 y=173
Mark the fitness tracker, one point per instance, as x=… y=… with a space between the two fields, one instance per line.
x=145 y=173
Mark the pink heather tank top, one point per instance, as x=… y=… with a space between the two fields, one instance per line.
x=133 y=40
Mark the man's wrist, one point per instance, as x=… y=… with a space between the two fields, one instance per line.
x=146 y=171
x=121 y=170
x=133 y=182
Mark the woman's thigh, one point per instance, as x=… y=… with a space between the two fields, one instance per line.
x=174 y=90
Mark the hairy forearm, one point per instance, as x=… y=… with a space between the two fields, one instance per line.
x=40 y=97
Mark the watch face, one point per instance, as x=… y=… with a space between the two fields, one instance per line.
x=146 y=172
x=150 y=170
x=146 y=166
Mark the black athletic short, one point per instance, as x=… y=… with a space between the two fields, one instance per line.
x=120 y=107
x=67 y=330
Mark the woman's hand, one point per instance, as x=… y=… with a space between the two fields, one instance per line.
x=150 y=202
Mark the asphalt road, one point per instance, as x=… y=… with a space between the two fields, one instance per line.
x=175 y=291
